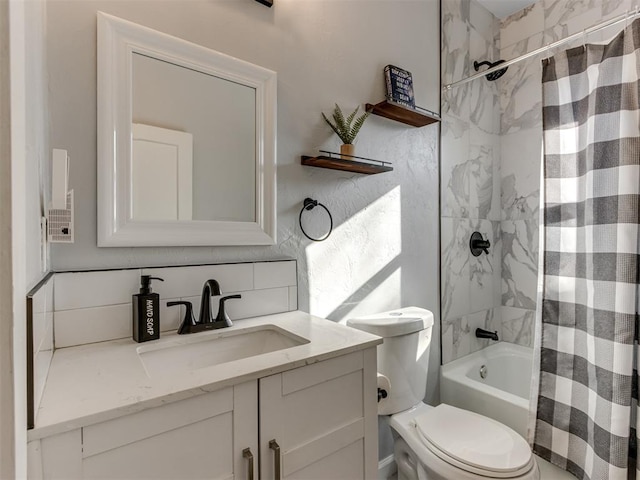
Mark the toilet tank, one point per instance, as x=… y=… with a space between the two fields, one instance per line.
x=403 y=357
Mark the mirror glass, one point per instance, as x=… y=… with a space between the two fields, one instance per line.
x=186 y=142
x=219 y=117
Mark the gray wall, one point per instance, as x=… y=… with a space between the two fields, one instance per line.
x=38 y=152
x=383 y=252
x=23 y=173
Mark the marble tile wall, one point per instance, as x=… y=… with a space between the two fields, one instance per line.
x=40 y=302
x=470 y=179
x=490 y=162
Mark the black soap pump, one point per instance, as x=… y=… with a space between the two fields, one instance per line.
x=146 y=311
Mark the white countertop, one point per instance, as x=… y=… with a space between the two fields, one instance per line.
x=101 y=381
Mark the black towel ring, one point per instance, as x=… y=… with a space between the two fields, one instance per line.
x=310 y=204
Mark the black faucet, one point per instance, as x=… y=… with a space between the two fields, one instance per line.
x=205 y=321
x=189 y=323
x=211 y=287
x=223 y=319
x=481 y=333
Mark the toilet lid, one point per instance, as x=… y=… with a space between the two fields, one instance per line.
x=474 y=442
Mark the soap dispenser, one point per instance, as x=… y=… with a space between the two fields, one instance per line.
x=146 y=311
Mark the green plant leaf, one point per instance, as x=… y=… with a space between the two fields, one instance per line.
x=351 y=117
x=358 y=125
x=333 y=127
x=343 y=127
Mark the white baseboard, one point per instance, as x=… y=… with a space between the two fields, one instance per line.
x=387 y=467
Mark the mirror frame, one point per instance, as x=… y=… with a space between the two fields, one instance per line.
x=118 y=39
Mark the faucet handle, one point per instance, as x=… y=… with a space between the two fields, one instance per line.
x=188 y=321
x=222 y=314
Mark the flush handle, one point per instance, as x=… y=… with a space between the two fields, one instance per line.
x=273 y=445
x=382 y=394
x=246 y=453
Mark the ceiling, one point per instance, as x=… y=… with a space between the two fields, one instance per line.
x=504 y=8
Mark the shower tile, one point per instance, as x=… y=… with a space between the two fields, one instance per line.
x=482 y=20
x=482 y=269
x=497 y=255
x=519 y=263
x=521 y=47
x=522 y=24
x=495 y=212
x=520 y=89
x=456 y=103
x=606 y=34
x=494 y=321
x=481 y=180
x=458 y=334
x=459 y=9
x=520 y=170
x=561 y=11
x=518 y=326
x=455 y=339
x=487 y=320
x=481 y=90
x=496 y=36
x=484 y=102
x=516 y=206
x=613 y=8
x=454 y=169
x=484 y=175
x=455 y=267
x=559 y=30
x=455 y=40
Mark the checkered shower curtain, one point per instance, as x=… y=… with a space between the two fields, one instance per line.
x=585 y=417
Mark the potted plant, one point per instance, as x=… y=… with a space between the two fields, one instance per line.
x=346 y=128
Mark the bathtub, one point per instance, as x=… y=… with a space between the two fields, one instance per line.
x=504 y=392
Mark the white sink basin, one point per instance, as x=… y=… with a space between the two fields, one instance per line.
x=200 y=350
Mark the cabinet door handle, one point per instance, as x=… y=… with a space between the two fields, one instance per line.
x=246 y=453
x=273 y=445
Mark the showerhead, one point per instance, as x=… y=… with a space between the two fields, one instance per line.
x=494 y=75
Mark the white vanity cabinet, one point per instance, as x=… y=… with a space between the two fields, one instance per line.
x=196 y=438
x=322 y=416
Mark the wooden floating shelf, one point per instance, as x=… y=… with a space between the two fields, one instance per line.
x=332 y=163
x=402 y=114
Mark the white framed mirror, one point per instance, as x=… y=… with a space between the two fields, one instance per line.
x=186 y=142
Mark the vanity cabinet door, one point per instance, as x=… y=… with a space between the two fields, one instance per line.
x=323 y=418
x=200 y=437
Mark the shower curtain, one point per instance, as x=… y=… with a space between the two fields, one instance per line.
x=585 y=420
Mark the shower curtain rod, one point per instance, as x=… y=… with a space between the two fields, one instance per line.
x=607 y=23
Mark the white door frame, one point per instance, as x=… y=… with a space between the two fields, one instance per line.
x=13 y=433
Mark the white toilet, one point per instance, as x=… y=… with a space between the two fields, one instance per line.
x=443 y=442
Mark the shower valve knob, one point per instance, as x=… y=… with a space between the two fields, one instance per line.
x=477 y=244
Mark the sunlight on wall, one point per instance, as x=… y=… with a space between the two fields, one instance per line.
x=357 y=262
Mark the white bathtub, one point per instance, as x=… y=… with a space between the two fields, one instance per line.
x=504 y=392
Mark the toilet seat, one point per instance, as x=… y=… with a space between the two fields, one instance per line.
x=473 y=443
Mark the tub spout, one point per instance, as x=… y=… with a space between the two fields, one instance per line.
x=481 y=333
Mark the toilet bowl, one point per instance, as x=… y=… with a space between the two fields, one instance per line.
x=448 y=443
x=443 y=442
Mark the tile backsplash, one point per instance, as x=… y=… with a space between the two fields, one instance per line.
x=40 y=306
x=96 y=306
x=74 y=308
